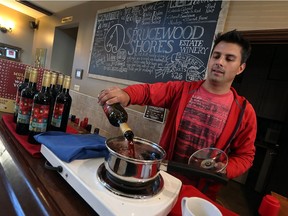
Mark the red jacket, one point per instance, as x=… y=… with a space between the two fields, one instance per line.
x=237 y=138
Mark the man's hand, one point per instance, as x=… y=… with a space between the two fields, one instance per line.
x=113 y=95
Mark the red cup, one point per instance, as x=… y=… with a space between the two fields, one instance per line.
x=86 y=120
x=76 y=121
x=269 y=206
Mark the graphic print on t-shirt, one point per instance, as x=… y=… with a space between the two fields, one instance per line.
x=202 y=123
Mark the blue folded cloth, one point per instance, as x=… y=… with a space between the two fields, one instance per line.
x=69 y=147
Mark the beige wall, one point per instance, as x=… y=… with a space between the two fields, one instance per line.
x=21 y=36
x=44 y=37
x=257 y=15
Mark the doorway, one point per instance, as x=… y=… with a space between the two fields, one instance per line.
x=268 y=90
x=64 y=44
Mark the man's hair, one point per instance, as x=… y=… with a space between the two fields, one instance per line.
x=235 y=37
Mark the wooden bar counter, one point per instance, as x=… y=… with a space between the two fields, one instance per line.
x=28 y=188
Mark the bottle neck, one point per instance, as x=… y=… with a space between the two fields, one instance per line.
x=33 y=85
x=65 y=90
x=45 y=89
x=127 y=132
x=124 y=127
x=58 y=86
x=52 y=86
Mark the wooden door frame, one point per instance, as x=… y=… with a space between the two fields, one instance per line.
x=268 y=36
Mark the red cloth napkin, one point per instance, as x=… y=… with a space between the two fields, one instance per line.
x=190 y=191
x=34 y=150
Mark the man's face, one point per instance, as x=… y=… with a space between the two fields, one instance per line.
x=225 y=63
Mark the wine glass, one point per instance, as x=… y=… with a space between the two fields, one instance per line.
x=212 y=159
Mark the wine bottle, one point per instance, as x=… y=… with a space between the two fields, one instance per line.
x=58 y=88
x=118 y=117
x=25 y=104
x=53 y=94
x=62 y=107
x=40 y=109
x=20 y=87
x=53 y=83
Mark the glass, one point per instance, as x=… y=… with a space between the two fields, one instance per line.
x=212 y=159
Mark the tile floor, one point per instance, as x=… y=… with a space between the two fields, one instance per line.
x=240 y=199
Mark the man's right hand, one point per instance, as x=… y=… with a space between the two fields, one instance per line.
x=113 y=95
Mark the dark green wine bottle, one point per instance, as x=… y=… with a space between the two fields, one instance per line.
x=62 y=107
x=40 y=109
x=21 y=86
x=53 y=97
x=118 y=117
x=59 y=85
x=25 y=104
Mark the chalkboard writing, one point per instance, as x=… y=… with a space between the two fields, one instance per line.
x=153 y=42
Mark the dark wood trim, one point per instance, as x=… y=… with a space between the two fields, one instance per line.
x=267 y=36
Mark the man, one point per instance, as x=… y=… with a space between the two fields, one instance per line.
x=203 y=114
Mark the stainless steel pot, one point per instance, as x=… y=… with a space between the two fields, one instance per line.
x=148 y=161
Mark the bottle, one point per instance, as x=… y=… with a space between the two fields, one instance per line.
x=118 y=117
x=53 y=94
x=58 y=88
x=96 y=131
x=40 y=109
x=25 y=104
x=53 y=83
x=62 y=107
x=88 y=128
x=21 y=86
x=73 y=117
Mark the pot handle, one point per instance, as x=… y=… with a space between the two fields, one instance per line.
x=171 y=166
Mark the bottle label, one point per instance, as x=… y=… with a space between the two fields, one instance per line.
x=39 y=118
x=25 y=107
x=107 y=109
x=57 y=115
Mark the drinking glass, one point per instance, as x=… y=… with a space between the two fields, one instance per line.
x=212 y=159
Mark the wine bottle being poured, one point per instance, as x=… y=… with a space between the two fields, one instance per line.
x=118 y=117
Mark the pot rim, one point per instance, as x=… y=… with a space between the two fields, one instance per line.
x=135 y=160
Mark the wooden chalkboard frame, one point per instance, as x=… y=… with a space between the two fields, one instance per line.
x=219 y=28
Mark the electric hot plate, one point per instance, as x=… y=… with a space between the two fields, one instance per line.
x=82 y=176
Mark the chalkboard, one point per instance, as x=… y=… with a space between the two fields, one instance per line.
x=154 y=42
